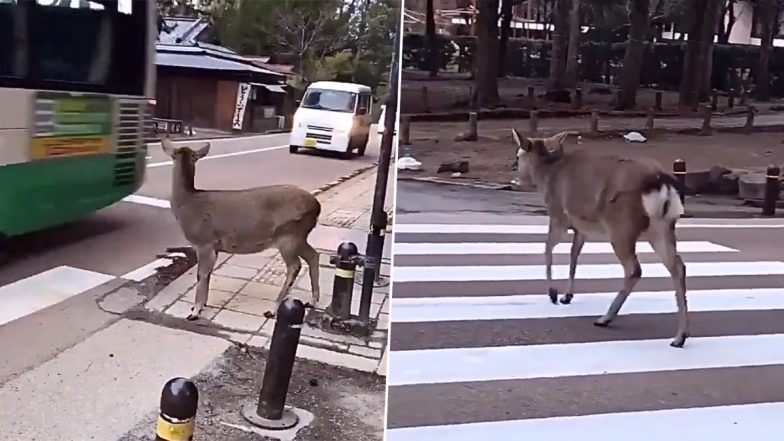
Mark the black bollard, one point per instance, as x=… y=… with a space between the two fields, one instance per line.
x=658 y=103
x=271 y=412
x=177 y=418
x=345 y=261
x=772 y=189
x=679 y=170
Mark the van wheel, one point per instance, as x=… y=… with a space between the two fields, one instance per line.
x=293 y=149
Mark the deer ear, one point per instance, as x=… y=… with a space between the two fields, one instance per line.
x=523 y=142
x=202 y=151
x=560 y=138
x=168 y=147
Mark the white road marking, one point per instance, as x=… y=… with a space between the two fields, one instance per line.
x=34 y=293
x=144 y=200
x=532 y=229
x=588 y=271
x=758 y=422
x=439 y=309
x=462 y=248
x=431 y=366
x=223 y=155
x=145 y=271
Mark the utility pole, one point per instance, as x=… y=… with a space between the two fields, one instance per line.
x=378 y=218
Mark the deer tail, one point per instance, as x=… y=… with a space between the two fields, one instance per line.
x=661 y=198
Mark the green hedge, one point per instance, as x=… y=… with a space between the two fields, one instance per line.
x=601 y=62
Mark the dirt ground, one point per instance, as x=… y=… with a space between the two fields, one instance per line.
x=450 y=92
x=492 y=156
x=347 y=404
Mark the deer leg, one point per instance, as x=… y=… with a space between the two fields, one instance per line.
x=577 y=246
x=206 y=257
x=555 y=233
x=625 y=251
x=290 y=254
x=663 y=242
x=311 y=256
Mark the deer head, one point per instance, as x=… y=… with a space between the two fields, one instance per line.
x=533 y=153
x=184 y=163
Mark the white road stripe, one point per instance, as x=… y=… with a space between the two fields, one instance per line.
x=430 y=366
x=588 y=271
x=144 y=200
x=440 y=309
x=758 y=422
x=145 y=271
x=34 y=293
x=533 y=229
x=462 y=248
x=223 y=155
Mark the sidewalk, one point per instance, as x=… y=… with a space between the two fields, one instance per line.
x=244 y=287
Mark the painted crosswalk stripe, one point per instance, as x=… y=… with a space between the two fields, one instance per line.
x=462 y=248
x=34 y=293
x=589 y=271
x=758 y=422
x=537 y=228
x=433 y=366
x=517 y=307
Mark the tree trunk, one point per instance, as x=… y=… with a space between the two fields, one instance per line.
x=705 y=73
x=689 y=80
x=487 y=53
x=629 y=81
x=724 y=29
x=506 y=21
x=574 y=44
x=557 y=80
x=431 y=42
x=768 y=13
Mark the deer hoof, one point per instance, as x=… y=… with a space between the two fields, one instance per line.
x=678 y=341
x=553 y=294
x=602 y=322
x=192 y=316
x=567 y=298
x=269 y=314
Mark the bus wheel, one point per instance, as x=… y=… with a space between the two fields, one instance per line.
x=293 y=149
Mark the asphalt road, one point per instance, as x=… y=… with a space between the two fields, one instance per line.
x=129 y=235
x=477 y=349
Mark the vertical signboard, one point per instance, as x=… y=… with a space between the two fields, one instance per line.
x=243 y=92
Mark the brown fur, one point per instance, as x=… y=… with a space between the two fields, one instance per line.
x=242 y=222
x=595 y=194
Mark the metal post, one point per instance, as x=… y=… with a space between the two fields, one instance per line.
x=707 y=113
x=345 y=261
x=749 y=127
x=715 y=100
x=650 y=115
x=177 y=417
x=772 y=189
x=473 y=130
x=731 y=99
x=658 y=104
x=384 y=226
x=270 y=412
x=375 y=243
x=405 y=130
x=424 y=99
x=679 y=170
x=531 y=96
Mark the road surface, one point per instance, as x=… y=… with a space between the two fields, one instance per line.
x=478 y=351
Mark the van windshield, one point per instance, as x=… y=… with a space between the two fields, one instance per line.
x=334 y=100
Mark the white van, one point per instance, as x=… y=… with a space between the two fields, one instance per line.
x=333 y=116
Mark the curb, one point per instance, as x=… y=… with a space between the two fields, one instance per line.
x=342 y=179
x=215 y=137
x=700 y=214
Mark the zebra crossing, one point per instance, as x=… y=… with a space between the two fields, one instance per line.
x=477 y=349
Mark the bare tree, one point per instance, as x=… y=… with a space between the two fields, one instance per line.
x=557 y=80
x=430 y=37
x=698 y=59
x=767 y=11
x=507 y=7
x=302 y=30
x=574 y=44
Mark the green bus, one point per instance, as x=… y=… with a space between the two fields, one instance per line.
x=77 y=79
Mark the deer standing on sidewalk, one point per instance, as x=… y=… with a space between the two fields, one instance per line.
x=606 y=195
x=242 y=222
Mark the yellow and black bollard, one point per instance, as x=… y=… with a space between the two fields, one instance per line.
x=772 y=189
x=271 y=412
x=345 y=261
x=177 y=418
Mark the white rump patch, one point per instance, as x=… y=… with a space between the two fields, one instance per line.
x=655 y=201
